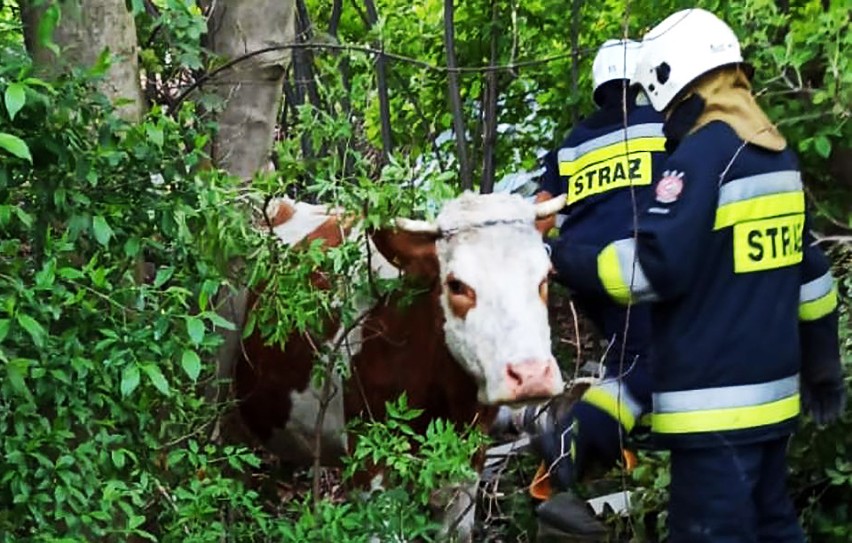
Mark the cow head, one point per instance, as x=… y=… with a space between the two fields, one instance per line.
x=493 y=271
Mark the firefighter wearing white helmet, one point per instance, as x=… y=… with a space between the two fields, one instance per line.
x=606 y=166
x=686 y=45
x=744 y=304
x=614 y=61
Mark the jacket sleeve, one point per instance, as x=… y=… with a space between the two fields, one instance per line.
x=550 y=180
x=818 y=329
x=661 y=261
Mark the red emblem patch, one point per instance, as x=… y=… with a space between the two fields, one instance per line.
x=670 y=186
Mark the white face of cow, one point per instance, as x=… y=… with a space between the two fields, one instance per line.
x=494 y=271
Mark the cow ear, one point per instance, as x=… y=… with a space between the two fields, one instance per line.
x=544 y=225
x=412 y=252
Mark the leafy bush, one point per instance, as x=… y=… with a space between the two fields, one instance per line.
x=101 y=381
x=115 y=244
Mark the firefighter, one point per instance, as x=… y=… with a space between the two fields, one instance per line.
x=606 y=165
x=744 y=305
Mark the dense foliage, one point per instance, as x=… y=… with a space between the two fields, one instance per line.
x=117 y=239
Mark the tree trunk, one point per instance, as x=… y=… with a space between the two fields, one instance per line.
x=86 y=28
x=251 y=89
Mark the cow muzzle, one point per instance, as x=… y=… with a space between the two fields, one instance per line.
x=530 y=380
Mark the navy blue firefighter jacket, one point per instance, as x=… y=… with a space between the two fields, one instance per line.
x=744 y=305
x=596 y=166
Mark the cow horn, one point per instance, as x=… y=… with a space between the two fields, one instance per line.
x=549 y=207
x=417 y=227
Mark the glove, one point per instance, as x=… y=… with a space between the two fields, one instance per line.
x=825 y=403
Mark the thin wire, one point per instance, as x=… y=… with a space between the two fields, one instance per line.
x=633 y=206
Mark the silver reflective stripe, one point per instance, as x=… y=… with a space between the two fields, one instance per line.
x=817 y=288
x=759 y=185
x=632 y=273
x=620 y=393
x=648 y=130
x=725 y=397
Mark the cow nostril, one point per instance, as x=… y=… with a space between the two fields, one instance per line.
x=514 y=376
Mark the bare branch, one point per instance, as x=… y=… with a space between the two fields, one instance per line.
x=489 y=133
x=382 y=83
x=334 y=20
x=369 y=50
x=455 y=97
x=575 y=55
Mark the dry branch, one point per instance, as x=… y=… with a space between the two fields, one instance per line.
x=382 y=84
x=455 y=97
x=489 y=133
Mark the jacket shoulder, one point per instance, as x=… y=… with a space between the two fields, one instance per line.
x=645 y=115
x=712 y=146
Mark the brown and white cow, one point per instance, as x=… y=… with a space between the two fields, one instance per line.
x=476 y=338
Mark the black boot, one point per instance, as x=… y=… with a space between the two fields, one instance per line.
x=565 y=517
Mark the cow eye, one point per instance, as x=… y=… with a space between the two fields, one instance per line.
x=455 y=286
x=461 y=297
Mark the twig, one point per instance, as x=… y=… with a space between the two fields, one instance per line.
x=835 y=239
x=831 y=219
x=326 y=396
x=165 y=493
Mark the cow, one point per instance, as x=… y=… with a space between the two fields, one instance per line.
x=476 y=337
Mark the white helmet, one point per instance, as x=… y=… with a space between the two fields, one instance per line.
x=616 y=59
x=686 y=45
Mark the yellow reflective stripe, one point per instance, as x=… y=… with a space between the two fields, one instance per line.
x=610 y=405
x=761 y=207
x=819 y=308
x=609 y=272
x=732 y=418
x=621 y=148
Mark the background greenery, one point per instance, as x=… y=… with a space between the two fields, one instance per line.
x=106 y=429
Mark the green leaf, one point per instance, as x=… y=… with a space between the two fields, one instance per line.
x=46 y=26
x=129 y=379
x=103 y=232
x=16 y=372
x=163 y=275
x=137 y=6
x=117 y=458
x=157 y=378
x=71 y=273
x=220 y=321
x=155 y=134
x=36 y=331
x=131 y=247
x=15 y=98
x=102 y=64
x=191 y=364
x=4 y=328
x=822 y=146
x=24 y=217
x=15 y=146
x=195 y=329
